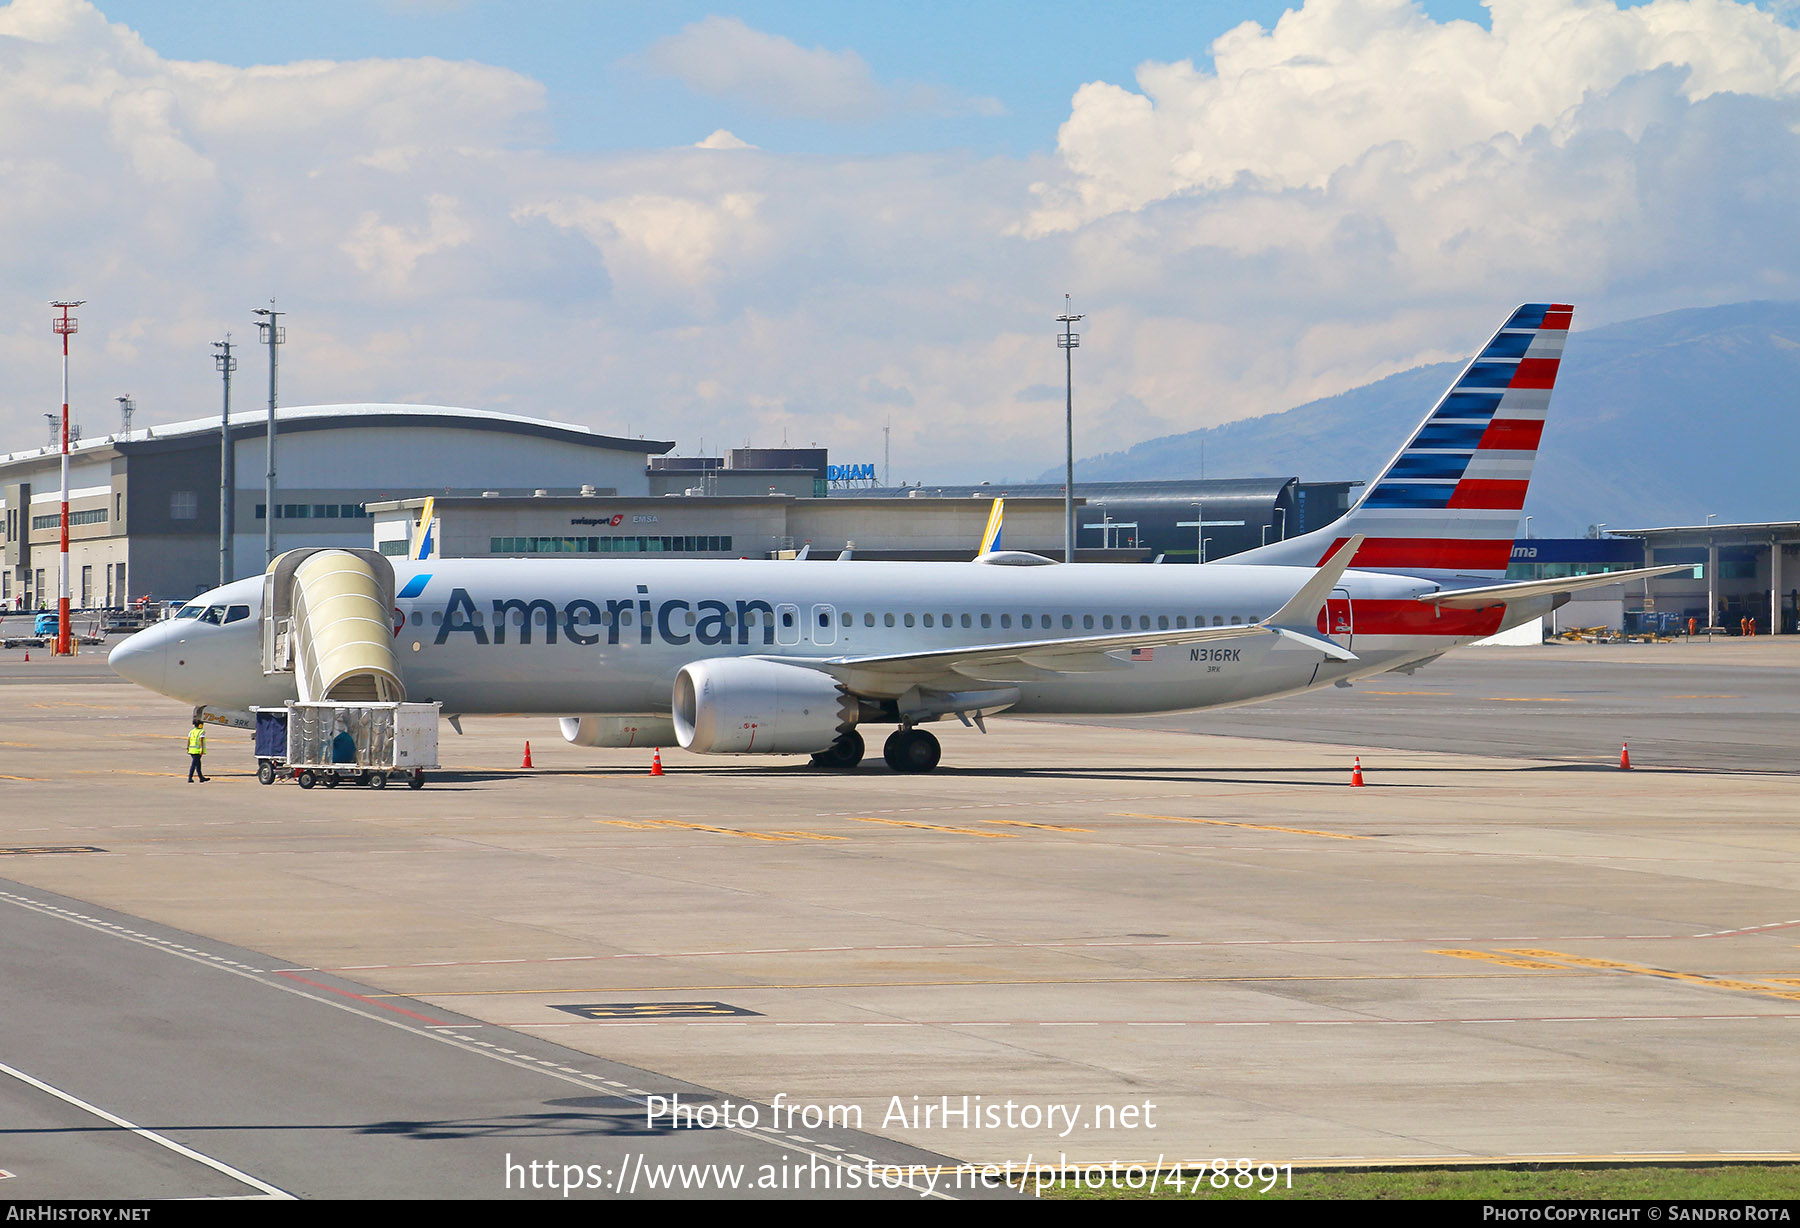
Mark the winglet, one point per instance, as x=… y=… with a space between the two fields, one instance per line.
x=1302 y=609
x=990 y=537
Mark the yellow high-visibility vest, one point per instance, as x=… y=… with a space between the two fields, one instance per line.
x=196 y=741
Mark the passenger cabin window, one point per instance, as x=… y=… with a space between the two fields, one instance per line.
x=928 y=620
x=888 y=619
x=907 y=619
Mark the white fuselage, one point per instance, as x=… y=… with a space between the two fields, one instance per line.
x=564 y=637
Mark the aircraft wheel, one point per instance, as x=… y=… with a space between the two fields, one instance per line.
x=265 y=773
x=912 y=750
x=307 y=780
x=843 y=754
x=377 y=780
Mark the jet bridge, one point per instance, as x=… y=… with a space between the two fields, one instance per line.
x=327 y=620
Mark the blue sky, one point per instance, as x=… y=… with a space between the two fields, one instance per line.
x=781 y=220
x=1029 y=57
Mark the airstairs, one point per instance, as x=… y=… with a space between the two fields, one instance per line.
x=327 y=620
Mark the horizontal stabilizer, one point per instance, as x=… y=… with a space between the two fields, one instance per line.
x=1499 y=594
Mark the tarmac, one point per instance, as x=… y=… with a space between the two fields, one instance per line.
x=1168 y=939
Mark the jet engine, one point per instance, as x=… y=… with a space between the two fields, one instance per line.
x=618 y=730
x=743 y=706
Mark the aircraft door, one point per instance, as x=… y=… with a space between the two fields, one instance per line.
x=787 y=624
x=1340 y=617
x=824 y=625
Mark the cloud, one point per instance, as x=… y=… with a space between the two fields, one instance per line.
x=720 y=138
x=1337 y=80
x=724 y=58
x=1354 y=191
x=391 y=252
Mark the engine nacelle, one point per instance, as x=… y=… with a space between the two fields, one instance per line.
x=742 y=706
x=618 y=730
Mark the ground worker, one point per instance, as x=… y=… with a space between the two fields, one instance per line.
x=197 y=751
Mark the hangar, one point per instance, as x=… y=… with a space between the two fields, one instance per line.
x=145 y=506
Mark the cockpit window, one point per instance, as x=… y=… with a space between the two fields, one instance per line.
x=190 y=611
x=214 y=614
x=237 y=613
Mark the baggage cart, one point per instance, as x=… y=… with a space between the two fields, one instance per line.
x=331 y=743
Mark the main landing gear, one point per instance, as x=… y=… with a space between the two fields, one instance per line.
x=912 y=750
x=843 y=754
x=907 y=750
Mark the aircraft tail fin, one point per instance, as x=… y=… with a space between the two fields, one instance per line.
x=425 y=536
x=990 y=537
x=1448 y=503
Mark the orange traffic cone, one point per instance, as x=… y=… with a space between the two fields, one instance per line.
x=527 y=762
x=1625 y=756
x=656 y=762
x=28 y=654
x=1356 y=780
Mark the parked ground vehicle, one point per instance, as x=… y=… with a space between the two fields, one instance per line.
x=27 y=630
x=330 y=743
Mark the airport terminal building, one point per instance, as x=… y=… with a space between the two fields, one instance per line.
x=145 y=507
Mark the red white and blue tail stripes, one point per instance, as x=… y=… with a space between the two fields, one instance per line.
x=1448 y=503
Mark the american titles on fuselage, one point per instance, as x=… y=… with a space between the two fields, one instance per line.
x=709 y=621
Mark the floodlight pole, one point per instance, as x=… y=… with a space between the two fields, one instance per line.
x=270 y=333
x=227 y=464
x=64 y=326
x=1067 y=341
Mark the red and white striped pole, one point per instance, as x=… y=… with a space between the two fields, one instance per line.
x=64 y=326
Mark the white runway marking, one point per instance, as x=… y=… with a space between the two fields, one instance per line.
x=267 y=1190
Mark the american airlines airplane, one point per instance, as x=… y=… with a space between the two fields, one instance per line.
x=770 y=657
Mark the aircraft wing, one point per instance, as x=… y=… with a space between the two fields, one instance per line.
x=1499 y=594
x=893 y=674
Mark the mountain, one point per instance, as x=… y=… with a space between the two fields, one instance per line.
x=1655 y=421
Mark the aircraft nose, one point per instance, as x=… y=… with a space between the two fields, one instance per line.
x=141 y=659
